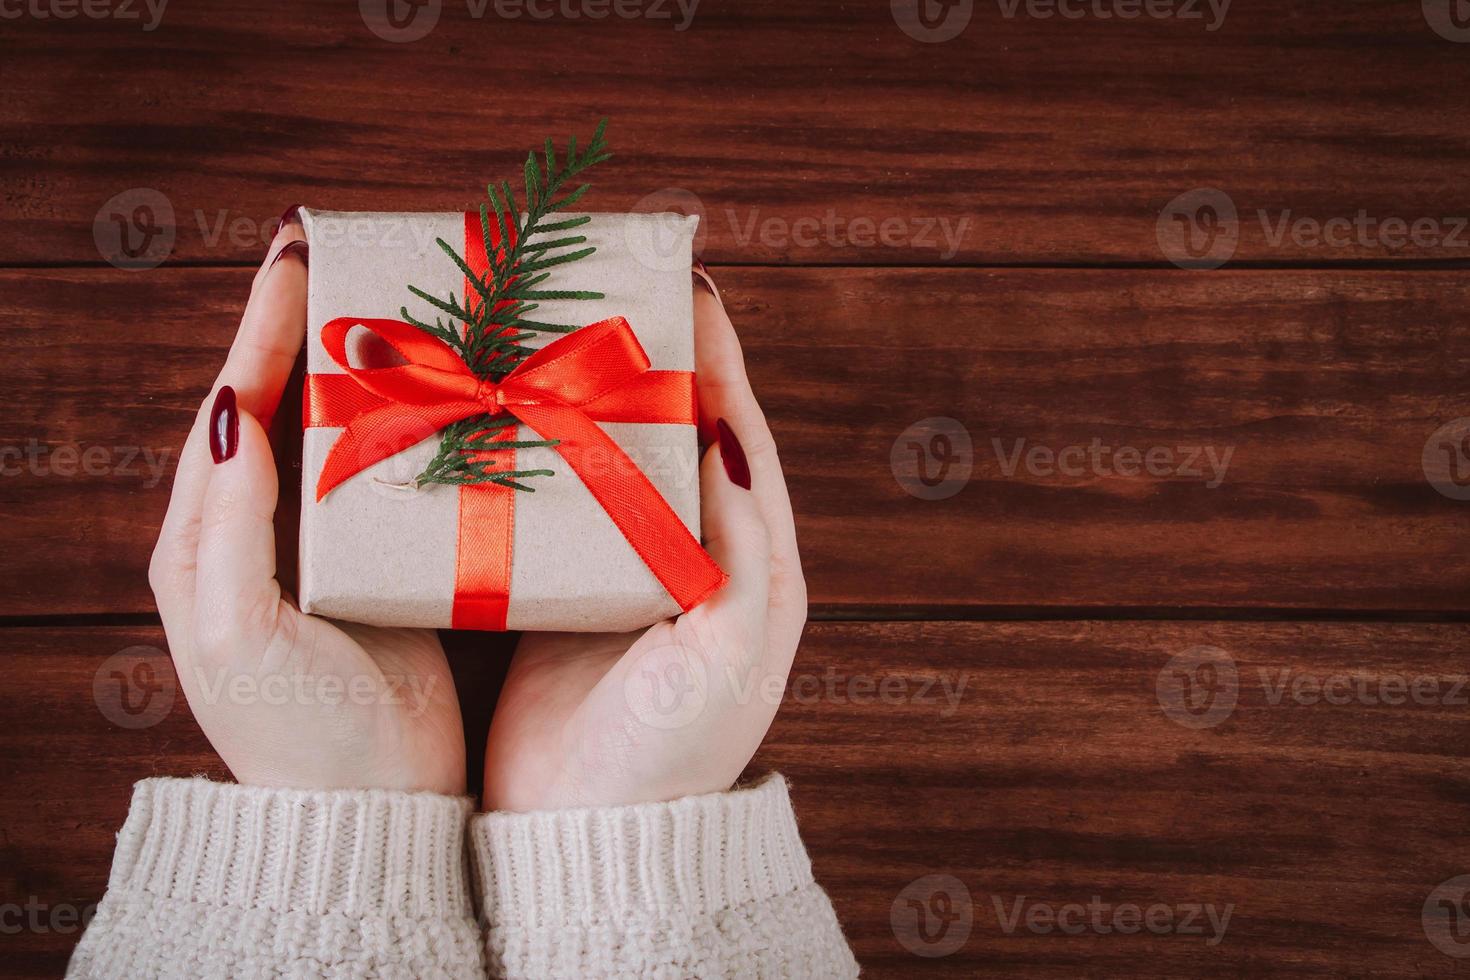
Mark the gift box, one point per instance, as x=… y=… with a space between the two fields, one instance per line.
x=603 y=535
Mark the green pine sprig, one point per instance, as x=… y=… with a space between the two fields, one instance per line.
x=489 y=328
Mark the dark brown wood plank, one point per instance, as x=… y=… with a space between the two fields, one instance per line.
x=1020 y=759
x=800 y=128
x=1323 y=387
x=1058 y=776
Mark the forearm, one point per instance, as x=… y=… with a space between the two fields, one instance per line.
x=706 y=886
x=214 y=880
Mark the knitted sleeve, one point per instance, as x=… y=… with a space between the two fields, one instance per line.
x=212 y=880
x=706 y=886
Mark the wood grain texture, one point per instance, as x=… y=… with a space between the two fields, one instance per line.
x=798 y=129
x=1319 y=390
x=1033 y=763
x=1021 y=759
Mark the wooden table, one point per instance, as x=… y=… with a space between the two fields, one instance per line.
x=1188 y=637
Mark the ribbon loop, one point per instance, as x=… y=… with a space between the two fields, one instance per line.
x=583 y=365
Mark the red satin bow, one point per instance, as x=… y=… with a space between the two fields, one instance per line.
x=599 y=372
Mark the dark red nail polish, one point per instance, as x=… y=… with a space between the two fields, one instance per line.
x=297 y=248
x=703 y=280
x=736 y=467
x=224 y=425
x=293 y=213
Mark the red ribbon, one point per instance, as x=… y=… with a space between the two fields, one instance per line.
x=599 y=373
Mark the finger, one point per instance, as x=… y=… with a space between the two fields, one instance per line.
x=259 y=363
x=288 y=229
x=736 y=536
x=725 y=393
x=238 y=602
x=273 y=326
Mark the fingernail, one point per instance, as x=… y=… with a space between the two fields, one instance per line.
x=736 y=468
x=293 y=213
x=224 y=425
x=703 y=280
x=297 y=248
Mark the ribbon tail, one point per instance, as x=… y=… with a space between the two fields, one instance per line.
x=636 y=507
x=380 y=433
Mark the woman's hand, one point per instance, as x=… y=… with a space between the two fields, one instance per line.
x=601 y=719
x=286 y=699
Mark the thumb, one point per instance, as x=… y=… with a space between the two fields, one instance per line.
x=238 y=601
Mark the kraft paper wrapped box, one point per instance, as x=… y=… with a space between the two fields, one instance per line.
x=379 y=550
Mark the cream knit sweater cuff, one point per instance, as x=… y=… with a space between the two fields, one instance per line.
x=716 y=885
x=219 y=880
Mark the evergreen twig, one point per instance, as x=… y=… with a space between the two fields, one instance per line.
x=494 y=323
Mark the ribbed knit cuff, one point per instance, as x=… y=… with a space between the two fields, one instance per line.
x=695 y=856
x=708 y=886
x=359 y=853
